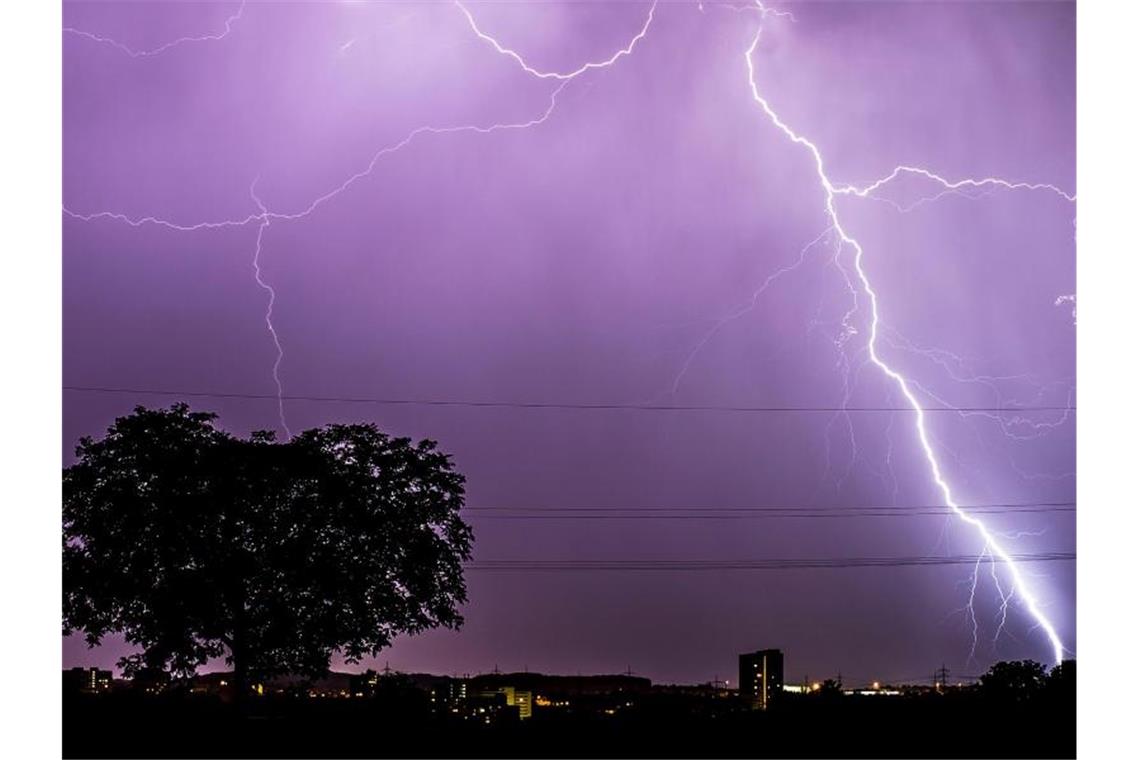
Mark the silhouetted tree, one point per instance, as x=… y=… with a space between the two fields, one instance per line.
x=829 y=690
x=1061 y=684
x=1063 y=677
x=1015 y=680
x=194 y=543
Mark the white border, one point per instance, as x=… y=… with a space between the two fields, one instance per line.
x=1107 y=381
x=30 y=374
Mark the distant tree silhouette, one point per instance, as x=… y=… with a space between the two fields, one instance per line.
x=195 y=544
x=829 y=690
x=1016 y=680
x=1061 y=683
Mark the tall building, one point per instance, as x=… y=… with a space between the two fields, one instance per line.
x=761 y=677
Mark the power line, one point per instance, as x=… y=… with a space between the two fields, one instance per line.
x=783 y=507
x=473 y=403
x=770 y=512
x=525 y=565
x=942 y=513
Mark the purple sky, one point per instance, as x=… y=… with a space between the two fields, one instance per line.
x=615 y=251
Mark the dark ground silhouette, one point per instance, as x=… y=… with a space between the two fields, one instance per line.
x=966 y=722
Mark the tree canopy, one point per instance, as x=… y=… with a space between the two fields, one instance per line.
x=194 y=543
x=1015 y=679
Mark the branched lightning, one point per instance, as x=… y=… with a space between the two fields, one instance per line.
x=228 y=27
x=265 y=217
x=831 y=191
x=564 y=79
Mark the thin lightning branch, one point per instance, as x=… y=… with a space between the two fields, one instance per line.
x=265 y=221
x=1017 y=535
x=627 y=50
x=175 y=226
x=1016 y=427
x=890 y=454
x=956 y=366
x=970 y=606
x=898 y=171
x=161 y=48
x=326 y=197
x=409 y=138
x=750 y=306
x=764 y=11
x=1003 y=609
x=843 y=364
x=831 y=190
x=971 y=195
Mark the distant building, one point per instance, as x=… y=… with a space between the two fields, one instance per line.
x=519 y=698
x=447 y=693
x=87 y=680
x=213 y=685
x=364 y=684
x=761 y=677
x=563 y=686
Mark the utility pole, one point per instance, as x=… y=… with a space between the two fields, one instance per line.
x=941 y=677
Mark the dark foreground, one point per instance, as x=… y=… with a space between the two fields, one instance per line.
x=966 y=726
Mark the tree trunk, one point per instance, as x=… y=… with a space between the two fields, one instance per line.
x=241 y=682
x=239 y=653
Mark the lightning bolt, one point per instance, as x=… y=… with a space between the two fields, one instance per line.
x=161 y=48
x=261 y=228
x=832 y=191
